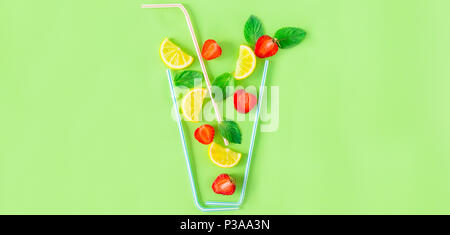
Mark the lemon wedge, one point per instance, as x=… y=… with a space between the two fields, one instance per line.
x=173 y=56
x=223 y=157
x=246 y=63
x=192 y=103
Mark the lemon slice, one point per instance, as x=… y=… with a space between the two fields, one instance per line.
x=192 y=103
x=246 y=63
x=222 y=156
x=173 y=56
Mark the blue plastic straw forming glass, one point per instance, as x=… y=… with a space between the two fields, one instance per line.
x=211 y=206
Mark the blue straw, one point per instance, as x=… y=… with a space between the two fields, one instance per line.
x=186 y=155
x=252 y=143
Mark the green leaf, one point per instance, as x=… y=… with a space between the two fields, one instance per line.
x=289 y=37
x=222 y=81
x=230 y=131
x=253 y=30
x=187 y=78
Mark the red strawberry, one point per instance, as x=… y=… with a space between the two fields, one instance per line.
x=243 y=101
x=224 y=185
x=204 y=134
x=211 y=50
x=266 y=46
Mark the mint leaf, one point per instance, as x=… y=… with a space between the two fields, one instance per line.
x=222 y=81
x=230 y=131
x=187 y=78
x=253 y=30
x=289 y=37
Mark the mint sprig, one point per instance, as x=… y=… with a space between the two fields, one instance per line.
x=222 y=82
x=230 y=131
x=187 y=78
x=253 y=30
x=289 y=37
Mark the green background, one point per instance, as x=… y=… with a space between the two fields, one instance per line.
x=85 y=121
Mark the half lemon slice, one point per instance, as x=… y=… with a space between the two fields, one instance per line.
x=192 y=103
x=173 y=56
x=246 y=63
x=223 y=157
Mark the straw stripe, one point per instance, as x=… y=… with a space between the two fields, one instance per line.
x=186 y=154
x=252 y=142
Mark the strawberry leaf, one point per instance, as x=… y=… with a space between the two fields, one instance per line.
x=188 y=78
x=230 y=131
x=253 y=30
x=289 y=37
x=222 y=82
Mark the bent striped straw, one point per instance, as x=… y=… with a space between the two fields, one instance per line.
x=197 y=50
x=225 y=205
